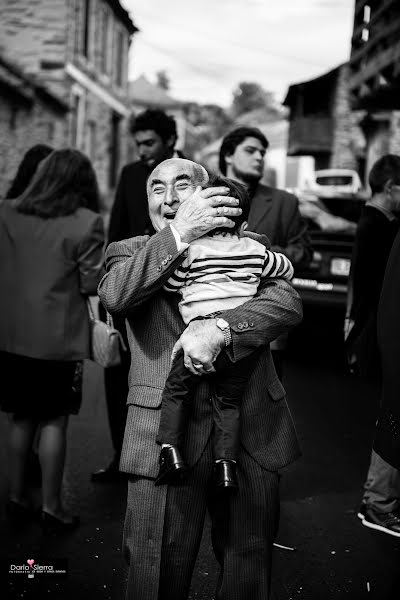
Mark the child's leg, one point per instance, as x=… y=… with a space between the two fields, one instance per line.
x=176 y=403
x=231 y=380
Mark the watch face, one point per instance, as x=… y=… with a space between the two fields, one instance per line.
x=222 y=324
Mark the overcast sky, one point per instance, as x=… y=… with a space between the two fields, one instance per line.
x=208 y=46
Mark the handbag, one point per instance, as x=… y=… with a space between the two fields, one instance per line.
x=106 y=342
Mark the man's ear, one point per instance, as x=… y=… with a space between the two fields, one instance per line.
x=228 y=159
x=388 y=186
x=170 y=142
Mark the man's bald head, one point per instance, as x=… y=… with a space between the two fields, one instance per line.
x=171 y=183
x=179 y=166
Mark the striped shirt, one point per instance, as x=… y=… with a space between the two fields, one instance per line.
x=222 y=272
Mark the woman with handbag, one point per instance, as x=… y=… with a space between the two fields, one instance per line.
x=51 y=247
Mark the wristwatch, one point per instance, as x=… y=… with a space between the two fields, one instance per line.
x=226 y=330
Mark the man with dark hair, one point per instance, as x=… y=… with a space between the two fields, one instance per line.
x=273 y=212
x=155 y=136
x=376 y=231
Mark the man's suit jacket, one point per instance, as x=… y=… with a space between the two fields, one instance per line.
x=48 y=267
x=373 y=241
x=130 y=213
x=276 y=214
x=136 y=271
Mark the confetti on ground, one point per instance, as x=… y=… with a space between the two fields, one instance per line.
x=284 y=547
x=368 y=587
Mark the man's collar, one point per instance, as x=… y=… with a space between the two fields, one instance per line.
x=389 y=215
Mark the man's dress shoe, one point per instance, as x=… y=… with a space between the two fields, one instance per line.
x=172 y=466
x=225 y=477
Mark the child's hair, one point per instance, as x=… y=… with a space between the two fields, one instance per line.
x=236 y=190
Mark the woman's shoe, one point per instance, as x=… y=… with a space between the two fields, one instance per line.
x=19 y=514
x=52 y=524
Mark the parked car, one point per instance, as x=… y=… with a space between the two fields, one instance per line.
x=335 y=182
x=332 y=224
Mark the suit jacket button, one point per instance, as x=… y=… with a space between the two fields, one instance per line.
x=240 y=325
x=251 y=324
x=159 y=268
x=245 y=324
x=169 y=256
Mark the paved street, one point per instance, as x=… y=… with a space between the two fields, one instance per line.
x=332 y=554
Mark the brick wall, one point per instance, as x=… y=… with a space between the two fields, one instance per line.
x=42 y=37
x=22 y=126
x=33 y=31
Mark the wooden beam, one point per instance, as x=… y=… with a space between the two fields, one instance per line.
x=375 y=66
x=367 y=47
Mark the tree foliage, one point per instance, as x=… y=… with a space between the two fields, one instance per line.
x=163 y=80
x=251 y=97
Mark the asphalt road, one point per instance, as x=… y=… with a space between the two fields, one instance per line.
x=331 y=554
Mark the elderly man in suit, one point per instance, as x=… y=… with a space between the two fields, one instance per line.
x=273 y=212
x=163 y=525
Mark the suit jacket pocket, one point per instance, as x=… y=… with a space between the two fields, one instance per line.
x=276 y=389
x=145 y=396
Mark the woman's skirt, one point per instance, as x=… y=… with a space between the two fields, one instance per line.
x=37 y=389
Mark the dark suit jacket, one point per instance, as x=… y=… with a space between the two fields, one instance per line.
x=372 y=245
x=387 y=440
x=47 y=269
x=136 y=271
x=130 y=213
x=276 y=214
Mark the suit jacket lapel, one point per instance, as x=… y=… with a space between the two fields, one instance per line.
x=261 y=205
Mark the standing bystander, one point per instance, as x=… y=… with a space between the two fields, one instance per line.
x=376 y=230
x=52 y=247
x=273 y=212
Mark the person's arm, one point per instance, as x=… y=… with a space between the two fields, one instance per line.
x=298 y=246
x=118 y=228
x=137 y=269
x=177 y=280
x=90 y=258
x=274 y=310
x=277 y=264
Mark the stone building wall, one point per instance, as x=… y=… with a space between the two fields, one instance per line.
x=22 y=126
x=46 y=38
x=343 y=154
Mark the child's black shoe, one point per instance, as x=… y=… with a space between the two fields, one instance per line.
x=172 y=466
x=225 y=477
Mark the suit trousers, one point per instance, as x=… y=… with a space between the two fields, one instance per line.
x=164 y=526
x=228 y=384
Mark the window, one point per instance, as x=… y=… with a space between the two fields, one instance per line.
x=91 y=140
x=86 y=28
x=106 y=41
x=114 y=149
x=77 y=117
x=120 y=59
